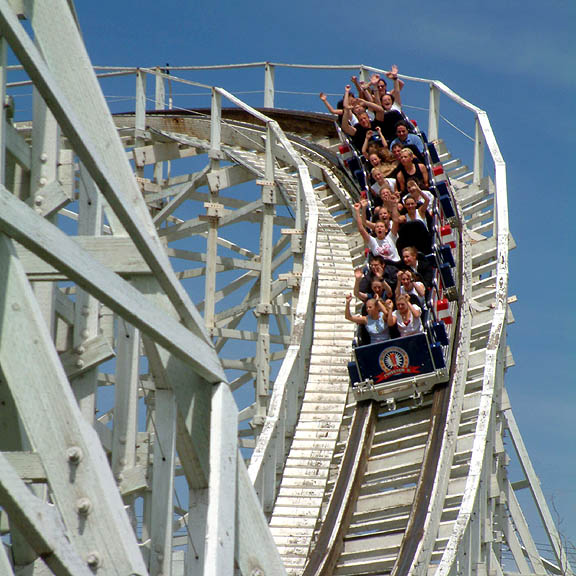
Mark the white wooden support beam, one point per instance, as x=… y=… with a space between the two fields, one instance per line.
x=159 y=104
x=296 y=242
x=364 y=75
x=89 y=348
x=41 y=524
x=18 y=147
x=140 y=113
x=49 y=199
x=34 y=232
x=196 y=531
x=85 y=358
x=256 y=553
x=67 y=172
x=479 y=146
x=464 y=552
x=196 y=226
x=475 y=531
x=77 y=469
x=159 y=91
x=77 y=102
x=300 y=216
x=263 y=309
x=3 y=123
x=45 y=148
x=228 y=176
x=124 y=433
x=45 y=140
x=543 y=510
x=269 y=70
x=193 y=419
x=118 y=253
x=215 y=152
x=144 y=155
x=515 y=547
x=163 y=483
x=434 y=114
x=140 y=118
x=10 y=427
x=523 y=530
x=214 y=211
x=5 y=566
x=27 y=465
x=182 y=194
x=222 y=522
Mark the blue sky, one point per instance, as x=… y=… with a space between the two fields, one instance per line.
x=514 y=59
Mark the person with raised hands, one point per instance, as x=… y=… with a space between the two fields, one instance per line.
x=383 y=243
x=375 y=320
x=406 y=317
x=378 y=287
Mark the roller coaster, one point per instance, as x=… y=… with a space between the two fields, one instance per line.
x=175 y=395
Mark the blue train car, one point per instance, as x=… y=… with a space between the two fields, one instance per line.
x=397 y=369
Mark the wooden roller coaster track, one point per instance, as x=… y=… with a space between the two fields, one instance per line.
x=174 y=392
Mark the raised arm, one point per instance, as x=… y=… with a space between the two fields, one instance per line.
x=358 y=275
x=425 y=203
x=348 y=315
x=398 y=84
x=384 y=141
x=359 y=211
x=398 y=283
x=362 y=92
x=366 y=142
x=332 y=110
x=415 y=310
x=394 y=216
x=387 y=288
x=376 y=108
x=391 y=319
x=347 y=116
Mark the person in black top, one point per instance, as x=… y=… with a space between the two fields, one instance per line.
x=365 y=123
x=412 y=260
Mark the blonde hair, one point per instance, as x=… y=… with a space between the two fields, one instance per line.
x=409 y=150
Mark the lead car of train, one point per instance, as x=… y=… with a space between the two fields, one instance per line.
x=407 y=368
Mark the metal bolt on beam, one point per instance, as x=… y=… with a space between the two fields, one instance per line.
x=84 y=506
x=74 y=454
x=93 y=560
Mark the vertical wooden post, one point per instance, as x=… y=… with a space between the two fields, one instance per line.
x=197 y=513
x=125 y=430
x=86 y=325
x=213 y=211
x=479 y=145
x=220 y=534
x=263 y=310
x=433 y=113
x=162 y=484
x=140 y=115
x=269 y=71
x=3 y=49
x=43 y=171
x=160 y=104
x=215 y=125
